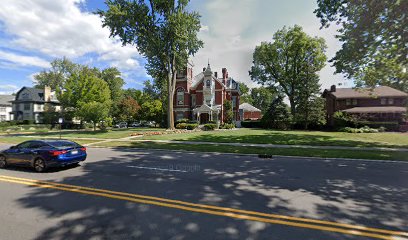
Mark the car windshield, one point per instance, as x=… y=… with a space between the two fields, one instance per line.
x=63 y=144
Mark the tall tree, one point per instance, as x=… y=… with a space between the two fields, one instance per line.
x=285 y=63
x=112 y=76
x=55 y=77
x=82 y=91
x=129 y=108
x=262 y=97
x=373 y=35
x=245 y=93
x=164 y=32
x=277 y=116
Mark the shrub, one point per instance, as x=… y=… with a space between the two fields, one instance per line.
x=364 y=129
x=183 y=120
x=192 y=126
x=251 y=124
x=227 y=126
x=342 y=120
x=194 y=122
x=210 y=126
x=181 y=126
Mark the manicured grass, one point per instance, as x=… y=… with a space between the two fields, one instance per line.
x=107 y=134
x=17 y=140
x=315 y=138
x=323 y=153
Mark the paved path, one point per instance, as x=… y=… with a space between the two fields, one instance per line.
x=297 y=191
x=133 y=139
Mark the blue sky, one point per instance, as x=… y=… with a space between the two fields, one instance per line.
x=34 y=32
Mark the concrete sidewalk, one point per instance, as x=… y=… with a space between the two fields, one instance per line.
x=260 y=145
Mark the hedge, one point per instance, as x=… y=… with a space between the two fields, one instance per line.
x=252 y=124
x=188 y=126
x=210 y=126
x=227 y=126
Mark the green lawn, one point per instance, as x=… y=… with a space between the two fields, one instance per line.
x=316 y=138
x=380 y=155
x=113 y=134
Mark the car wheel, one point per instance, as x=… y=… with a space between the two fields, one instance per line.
x=39 y=165
x=3 y=162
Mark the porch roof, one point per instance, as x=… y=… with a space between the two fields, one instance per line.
x=206 y=109
x=387 y=109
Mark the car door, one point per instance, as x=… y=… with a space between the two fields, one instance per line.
x=17 y=154
x=29 y=152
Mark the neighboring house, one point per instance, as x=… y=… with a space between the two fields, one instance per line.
x=250 y=112
x=381 y=104
x=6 y=107
x=202 y=98
x=30 y=104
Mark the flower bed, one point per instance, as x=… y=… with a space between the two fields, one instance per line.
x=155 y=133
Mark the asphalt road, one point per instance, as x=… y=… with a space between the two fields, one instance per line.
x=359 y=193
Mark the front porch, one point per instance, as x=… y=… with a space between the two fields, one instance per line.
x=205 y=114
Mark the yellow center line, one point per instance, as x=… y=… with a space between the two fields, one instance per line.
x=134 y=198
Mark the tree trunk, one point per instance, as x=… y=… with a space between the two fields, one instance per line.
x=171 y=90
x=94 y=123
x=292 y=106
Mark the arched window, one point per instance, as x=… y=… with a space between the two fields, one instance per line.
x=208 y=83
x=180 y=96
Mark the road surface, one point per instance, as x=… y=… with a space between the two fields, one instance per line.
x=153 y=194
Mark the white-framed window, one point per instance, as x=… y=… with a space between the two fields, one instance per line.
x=24 y=96
x=348 y=102
x=193 y=100
x=208 y=83
x=383 y=101
x=27 y=106
x=390 y=101
x=180 y=96
x=355 y=102
x=2 y=109
x=234 y=102
x=208 y=101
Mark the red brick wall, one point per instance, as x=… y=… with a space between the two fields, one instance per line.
x=252 y=115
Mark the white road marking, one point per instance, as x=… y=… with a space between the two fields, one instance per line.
x=158 y=169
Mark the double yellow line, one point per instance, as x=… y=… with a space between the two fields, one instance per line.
x=218 y=211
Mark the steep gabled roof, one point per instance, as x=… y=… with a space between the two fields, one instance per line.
x=248 y=108
x=382 y=91
x=5 y=100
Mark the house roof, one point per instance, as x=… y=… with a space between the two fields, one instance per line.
x=382 y=91
x=248 y=108
x=5 y=100
x=387 y=109
x=37 y=95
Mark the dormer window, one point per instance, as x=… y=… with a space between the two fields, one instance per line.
x=24 y=96
x=390 y=101
x=208 y=83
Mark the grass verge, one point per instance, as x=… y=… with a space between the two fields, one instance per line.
x=323 y=153
x=17 y=140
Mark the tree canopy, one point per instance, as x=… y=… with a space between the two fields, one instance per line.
x=374 y=39
x=290 y=63
x=55 y=77
x=164 y=32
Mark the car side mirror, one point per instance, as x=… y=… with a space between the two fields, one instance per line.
x=13 y=147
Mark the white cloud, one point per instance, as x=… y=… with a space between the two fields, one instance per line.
x=8 y=89
x=19 y=60
x=232 y=28
x=59 y=28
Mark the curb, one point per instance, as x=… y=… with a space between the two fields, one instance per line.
x=260 y=155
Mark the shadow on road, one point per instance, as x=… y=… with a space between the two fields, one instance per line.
x=372 y=194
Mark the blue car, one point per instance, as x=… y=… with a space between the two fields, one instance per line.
x=42 y=154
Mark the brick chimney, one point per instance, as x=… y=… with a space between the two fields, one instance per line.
x=224 y=76
x=333 y=88
x=47 y=93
